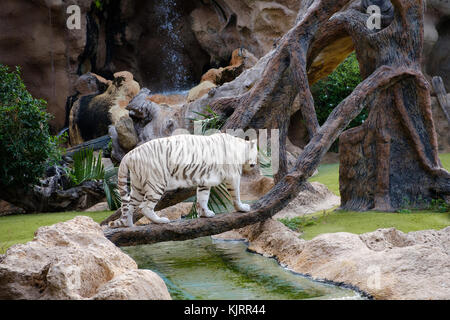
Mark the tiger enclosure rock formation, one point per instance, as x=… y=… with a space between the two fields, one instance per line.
x=74 y=261
x=166 y=45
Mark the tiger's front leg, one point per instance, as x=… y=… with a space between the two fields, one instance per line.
x=233 y=187
x=202 y=202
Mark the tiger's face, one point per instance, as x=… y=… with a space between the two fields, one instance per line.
x=251 y=159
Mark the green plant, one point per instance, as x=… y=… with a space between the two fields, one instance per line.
x=26 y=146
x=332 y=90
x=210 y=120
x=299 y=223
x=86 y=168
x=439 y=205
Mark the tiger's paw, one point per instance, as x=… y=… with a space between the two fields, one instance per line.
x=160 y=220
x=119 y=224
x=243 y=207
x=207 y=214
x=163 y=220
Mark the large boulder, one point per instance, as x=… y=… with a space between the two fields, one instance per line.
x=241 y=59
x=222 y=26
x=35 y=37
x=200 y=90
x=94 y=112
x=74 y=261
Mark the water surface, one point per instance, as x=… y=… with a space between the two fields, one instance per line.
x=204 y=268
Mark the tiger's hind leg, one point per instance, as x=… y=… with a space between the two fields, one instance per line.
x=129 y=204
x=152 y=195
x=202 y=202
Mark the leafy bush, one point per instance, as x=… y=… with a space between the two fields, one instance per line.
x=26 y=146
x=329 y=92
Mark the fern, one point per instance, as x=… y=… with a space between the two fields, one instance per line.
x=110 y=186
x=88 y=168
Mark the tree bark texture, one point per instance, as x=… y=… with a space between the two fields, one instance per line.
x=391 y=161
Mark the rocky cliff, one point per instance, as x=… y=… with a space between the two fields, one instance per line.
x=165 y=44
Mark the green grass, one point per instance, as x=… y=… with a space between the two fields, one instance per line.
x=21 y=228
x=445 y=159
x=362 y=222
x=329 y=176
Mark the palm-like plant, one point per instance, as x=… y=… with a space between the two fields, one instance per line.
x=86 y=167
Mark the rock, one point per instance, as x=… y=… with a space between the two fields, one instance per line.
x=92 y=114
x=169 y=99
x=383 y=239
x=134 y=285
x=91 y=83
x=316 y=197
x=126 y=133
x=241 y=59
x=172 y=213
x=101 y=206
x=221 y=27
x=47 y=51
x=150 y=121
x=200 y=90
x=164 y=44
x=74 y=261
x=7 y=208
x=51 y=197
x=254 y=186
x=387 y=263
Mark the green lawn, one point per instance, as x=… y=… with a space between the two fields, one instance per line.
x=362 y=222
x=21 y=228
x=329 y=176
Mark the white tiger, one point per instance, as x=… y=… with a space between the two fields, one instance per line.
x=183 y=161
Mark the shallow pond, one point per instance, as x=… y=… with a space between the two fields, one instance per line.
x=215 y=269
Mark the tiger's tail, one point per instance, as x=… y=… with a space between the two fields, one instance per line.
x=126 y=219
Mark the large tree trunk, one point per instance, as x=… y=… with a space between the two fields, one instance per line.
x=391 y=161
x=389 y=90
